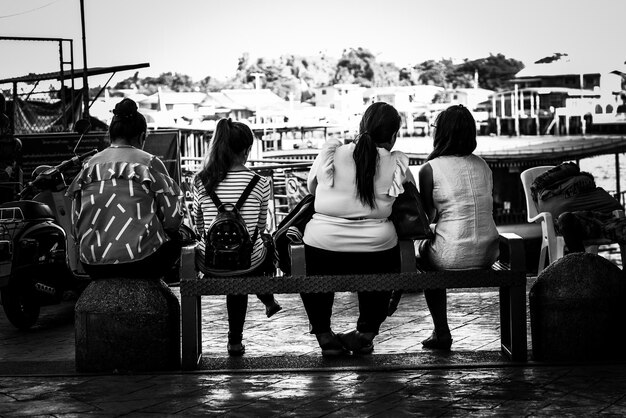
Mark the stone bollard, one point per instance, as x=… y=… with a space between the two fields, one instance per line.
x=127 y=325
x=576 y=310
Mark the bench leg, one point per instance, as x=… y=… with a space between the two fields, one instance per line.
x=191 y=332
x=513 y=322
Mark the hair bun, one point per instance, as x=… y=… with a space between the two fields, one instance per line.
x=125 y=109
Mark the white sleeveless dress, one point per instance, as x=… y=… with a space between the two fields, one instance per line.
x=465 y=234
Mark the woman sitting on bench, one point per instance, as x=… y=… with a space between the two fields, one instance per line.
x=456 y=189
x=223 y=184
x=355 y=186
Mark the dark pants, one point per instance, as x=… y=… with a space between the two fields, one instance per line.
x=237 y=307
x=372 y=305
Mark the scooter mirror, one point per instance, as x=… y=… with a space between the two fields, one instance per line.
x=82 y=126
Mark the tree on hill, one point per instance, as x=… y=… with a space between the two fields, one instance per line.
x=435 y=73
x=494 y=71
x=359 y=66
x=130 y=82
x=289 y=76
x=294 y=76
x=211 y=84
x=406 y=77
x=150 y=85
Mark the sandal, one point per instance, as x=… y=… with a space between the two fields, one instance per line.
x=234 y=346
x=436 y=342
x=331 y=345
x=272 y=309
x=358 y=342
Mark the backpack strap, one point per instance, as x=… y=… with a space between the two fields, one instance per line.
x=216 y=200
x=242 y=200
x=247 y=191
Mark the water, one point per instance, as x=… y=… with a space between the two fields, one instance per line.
x=602 y=167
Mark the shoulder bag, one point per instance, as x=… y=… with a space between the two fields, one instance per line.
x=408 y=214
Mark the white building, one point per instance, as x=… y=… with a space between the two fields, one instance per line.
x=342 y=97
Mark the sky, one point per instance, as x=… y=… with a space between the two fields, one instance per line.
x=206 y=37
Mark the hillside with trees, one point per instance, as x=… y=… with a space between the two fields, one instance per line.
x=293 y=76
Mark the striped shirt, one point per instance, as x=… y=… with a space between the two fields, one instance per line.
x=253 y=212
x=124 y=203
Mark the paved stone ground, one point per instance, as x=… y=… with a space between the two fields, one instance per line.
x=282 y=373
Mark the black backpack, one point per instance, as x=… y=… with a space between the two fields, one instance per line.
x=227 y=242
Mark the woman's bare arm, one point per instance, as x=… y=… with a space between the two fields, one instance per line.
x=426 y=190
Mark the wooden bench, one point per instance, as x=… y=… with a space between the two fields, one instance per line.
x=508 y=275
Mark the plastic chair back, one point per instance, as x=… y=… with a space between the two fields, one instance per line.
x=527 y=177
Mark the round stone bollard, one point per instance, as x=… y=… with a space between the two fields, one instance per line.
x=576 y=310
x=127 y=325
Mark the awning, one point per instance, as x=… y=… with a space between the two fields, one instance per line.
x=93 y=71
x=565 y=148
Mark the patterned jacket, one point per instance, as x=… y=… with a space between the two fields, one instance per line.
x=124 y=205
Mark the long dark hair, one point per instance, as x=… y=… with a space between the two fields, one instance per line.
x=127 y=122
x=229 y=140
x=455 y=132
x=379 y=124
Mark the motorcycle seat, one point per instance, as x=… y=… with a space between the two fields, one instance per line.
x=30 y=209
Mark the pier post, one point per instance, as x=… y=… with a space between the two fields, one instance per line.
x=618 y=190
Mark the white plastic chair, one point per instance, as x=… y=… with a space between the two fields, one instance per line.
x=553 y=245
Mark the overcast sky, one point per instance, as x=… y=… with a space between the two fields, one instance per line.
x=205 y=37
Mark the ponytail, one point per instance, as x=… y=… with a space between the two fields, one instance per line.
x=229 y=140
x=379 y=125
x=366 y=159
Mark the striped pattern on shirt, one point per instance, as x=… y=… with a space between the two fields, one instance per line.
x=254 y=213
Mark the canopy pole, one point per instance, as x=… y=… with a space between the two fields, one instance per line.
x=85 y=77
x=618 y=190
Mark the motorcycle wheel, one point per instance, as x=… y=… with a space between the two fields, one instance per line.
x=20 y=306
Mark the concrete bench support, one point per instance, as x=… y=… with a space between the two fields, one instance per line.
x=127 y=325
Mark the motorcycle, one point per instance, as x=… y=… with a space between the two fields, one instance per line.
x=39 y=263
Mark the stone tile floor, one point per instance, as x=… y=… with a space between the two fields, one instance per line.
x=283 y=375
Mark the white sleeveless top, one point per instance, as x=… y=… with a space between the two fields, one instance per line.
x=465 y=234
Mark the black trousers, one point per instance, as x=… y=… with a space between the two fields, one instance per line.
x=237 y=307
x=372 y=305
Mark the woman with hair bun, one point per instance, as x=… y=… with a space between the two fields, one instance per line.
x=225 y=176
x=126 y=207
x=355 y=186
x=456 y=187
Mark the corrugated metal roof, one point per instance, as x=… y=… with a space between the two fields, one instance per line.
x=559 y=149
x=550 y=90
x=253 y=99
x=177 y=97
x=219 y=99
x=569 y=66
